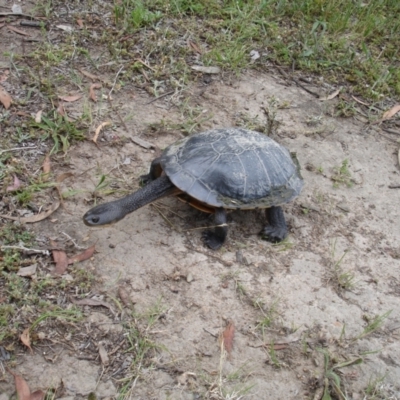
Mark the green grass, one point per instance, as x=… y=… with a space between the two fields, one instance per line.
x=333 y=384
x=358 y=45
x=373 y=324
x=27 y=302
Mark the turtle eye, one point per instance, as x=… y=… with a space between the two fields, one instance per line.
x=95 y=220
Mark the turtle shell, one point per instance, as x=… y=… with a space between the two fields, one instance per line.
x=233 y=168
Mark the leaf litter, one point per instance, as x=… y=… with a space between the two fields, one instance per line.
x=5 y=98
x=26 y=340
x=62 y=260
x=23 y=390
x=227 y=337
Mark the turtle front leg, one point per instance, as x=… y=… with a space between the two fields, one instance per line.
x=155 y=172
x=215 y=238
x=276 y=230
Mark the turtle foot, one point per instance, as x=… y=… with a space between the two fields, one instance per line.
x=274 y=234
x=212 y=240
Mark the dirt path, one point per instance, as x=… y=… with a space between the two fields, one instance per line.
x=302 y=297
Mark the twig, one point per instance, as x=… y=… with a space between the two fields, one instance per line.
x=26 y=250
x=391 y=131
x=115 y=81
x=165 y=218
x=395 y=186
x=33 y=24
x=205 y=227
x=73 y=241
x=146 y=65
x=116 y=112
x=18 y=148
x=220 y=260
x=212 y=334
x=297 y=82
x=8 y=14
x=160 y=97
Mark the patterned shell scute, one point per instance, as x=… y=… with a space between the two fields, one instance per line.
x=233 y=168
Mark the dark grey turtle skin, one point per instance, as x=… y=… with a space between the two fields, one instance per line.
x=217 y=170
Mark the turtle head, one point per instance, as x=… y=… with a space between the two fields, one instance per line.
x=103 y=214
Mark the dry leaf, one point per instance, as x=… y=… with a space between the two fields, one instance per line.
x=124 y=296
x=16 y=30
x=64 y=176
x=27 y=271
x=66 y=28
x=25 y=339
x=38 y=116
x=390 y=113
x=206 y=70
x=142 y=143
x=15 y=186
x=103 y=354
x=61 y=109
x=227 y=337
x=60 y=258
x=99 y=128
x=89 y=75
x=38 y=217
x=34 y=218
x=80 y=23
x=83 y=256
x=359 y=101
x=5 y=98
x=23 y=391
x=21 y=387
x=92 y=94
x=5 y=74
x=37 y=395
x=70 y=99
x=46 y=167
x=331 y=96
x=60 y=178
x=194 y=46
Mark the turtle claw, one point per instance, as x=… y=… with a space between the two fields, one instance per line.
x=274 y=234
x=212 y=240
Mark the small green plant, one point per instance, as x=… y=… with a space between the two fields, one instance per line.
x=375 y=389
x=133 y=14
x=373 y=324
x=272 y=355
x=344 y=280
x=60 y=130
x=270 y=313
x=331 y=378
x=342 y=175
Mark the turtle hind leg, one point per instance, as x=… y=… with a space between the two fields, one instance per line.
x=215 y=238
x=155 y=172
x=276 y=230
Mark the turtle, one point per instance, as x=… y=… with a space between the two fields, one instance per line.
x=215 y=171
